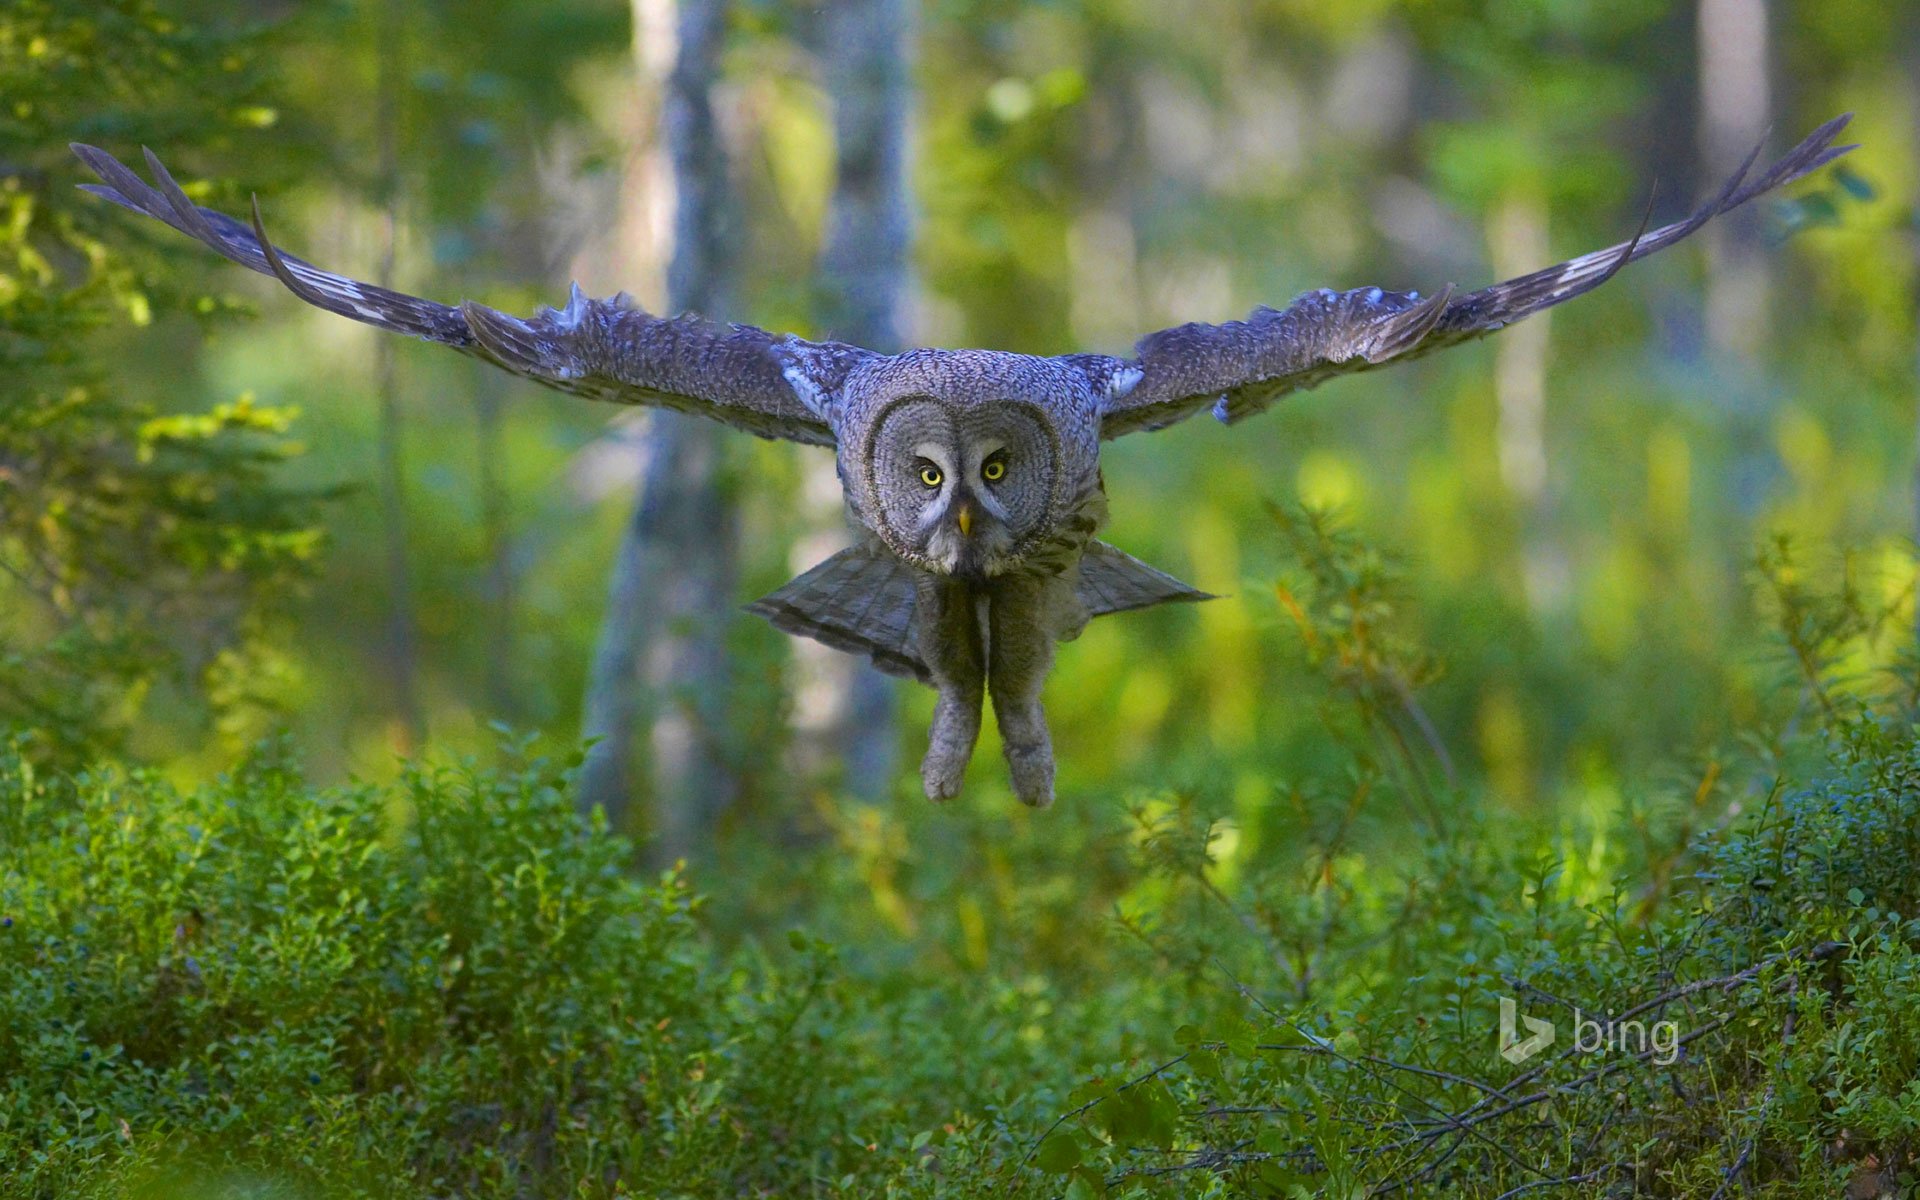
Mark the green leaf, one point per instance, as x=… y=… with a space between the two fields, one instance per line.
x=1854 y=184
x=1085 y=1186
x=1059 y=1154
x=1205 y=1064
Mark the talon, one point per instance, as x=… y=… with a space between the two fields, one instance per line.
x=1032 y=771
x=941 y=780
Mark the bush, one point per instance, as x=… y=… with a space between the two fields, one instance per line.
x=1758 y=1033
x=454 y=986
x=446 y=987
x=150 y=545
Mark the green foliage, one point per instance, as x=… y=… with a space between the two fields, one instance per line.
x=142 y=550
x=452 y=984
x=451 y=981
x=1458 y=744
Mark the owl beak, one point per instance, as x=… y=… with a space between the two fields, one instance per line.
x=964 y=519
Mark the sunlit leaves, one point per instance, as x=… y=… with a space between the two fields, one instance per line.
x=139 y=550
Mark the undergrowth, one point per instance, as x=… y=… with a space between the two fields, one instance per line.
x=454 y=986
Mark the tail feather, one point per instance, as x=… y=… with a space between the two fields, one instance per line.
x=862 y=601
x=1111 y=581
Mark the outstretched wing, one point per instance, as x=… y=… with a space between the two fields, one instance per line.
x=1239 y=368
x=604 y=349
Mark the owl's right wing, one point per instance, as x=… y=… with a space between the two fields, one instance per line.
x=1239 y=368
x=603 y=349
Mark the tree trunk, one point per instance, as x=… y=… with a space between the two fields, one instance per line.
x=402 y=654
x=847 y=710
x=489 y=387
x=661 y=660
x=1913 y=82
x=1736 y=96
x=1517 y=237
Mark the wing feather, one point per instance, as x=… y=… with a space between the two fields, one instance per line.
x=1239 y=368
x=603 y=349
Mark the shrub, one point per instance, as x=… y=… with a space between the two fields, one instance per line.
x=450 y=986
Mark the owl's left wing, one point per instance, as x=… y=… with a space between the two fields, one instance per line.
x=1239 y=368
x=602 y=349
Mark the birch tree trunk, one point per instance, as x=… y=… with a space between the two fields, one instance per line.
x=661 y=662
x=1736 y=97
x=846 y=708
x=1517 y=237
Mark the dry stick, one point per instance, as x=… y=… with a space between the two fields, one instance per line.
x=1589 y=1177
x=1471 y=1119
x=1376 y=1060
x=1424 y=1173
x=1817 y=953
x=1388 y=1080
x=1204 y=1160
x=1282 y=1110
x=1733 y=1172
x=1766 y=1102
x=1428 y=1171
x=1465 y=1124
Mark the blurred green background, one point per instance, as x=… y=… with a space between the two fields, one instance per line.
x=1084 y=173
x=1565 y=540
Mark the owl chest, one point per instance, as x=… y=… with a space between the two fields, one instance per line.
x=1063 y=546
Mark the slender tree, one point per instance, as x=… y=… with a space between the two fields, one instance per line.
x=865 y=49
x=1913 y=224
x=402 y=652
x=1517 y=236
x=661 y=661
x=1736 y=105
x=489 y=388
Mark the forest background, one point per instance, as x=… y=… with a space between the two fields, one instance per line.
x=1531 y=654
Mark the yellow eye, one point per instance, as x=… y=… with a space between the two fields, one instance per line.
x=994 y=471
x=931 y=476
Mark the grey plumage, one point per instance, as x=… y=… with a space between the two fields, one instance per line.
x=862 y=601
x=973 y=476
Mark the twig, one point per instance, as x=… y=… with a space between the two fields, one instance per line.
x=1431 y=1073
x=1589 y=1177
x=1063 y=1118
x=1411 y=704
x=1448 y=1118
x=1816 y=953
x=1733 y=1172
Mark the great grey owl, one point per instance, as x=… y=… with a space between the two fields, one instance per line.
x=972 y=477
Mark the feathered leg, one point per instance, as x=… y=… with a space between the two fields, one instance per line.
x=1023 y=621
x=947 y=623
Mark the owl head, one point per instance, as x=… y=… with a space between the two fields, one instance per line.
x=962 y=459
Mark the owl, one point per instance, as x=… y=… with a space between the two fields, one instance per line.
x=971 y=477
